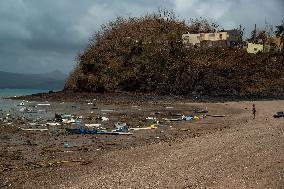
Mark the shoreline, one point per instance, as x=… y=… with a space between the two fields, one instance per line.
x=53 y=158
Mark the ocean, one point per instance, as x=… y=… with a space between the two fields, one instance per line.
x=8 y=105
x=19 y=92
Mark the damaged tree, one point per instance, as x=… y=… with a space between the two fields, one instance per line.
x=146 y=55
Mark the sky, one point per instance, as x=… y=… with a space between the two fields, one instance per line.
x=38 y=36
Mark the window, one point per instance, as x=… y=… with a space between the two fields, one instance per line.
x=255 y=49
x=220 y=36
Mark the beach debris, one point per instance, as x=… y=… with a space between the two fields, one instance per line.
x=33 y=129
x=201 y=111
x=144 y=128
x=185 y=129
x=169 y=107
x=171 y=119
x=58 y=117
x=187 y=117
x=151 y=120
x=202 y=116
x=107 y=110
x=43 y=104
x=93 y=124
x=278 y=114
x=217 y=115
x=74 y=106
x=102 y=118
x=53 y=124
x=38 y=124
x=120 y=127
x=21 y=104
x=85 y=131
x=69 y=119
x=175 y=114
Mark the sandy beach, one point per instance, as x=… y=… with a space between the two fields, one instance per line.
x=231 y=150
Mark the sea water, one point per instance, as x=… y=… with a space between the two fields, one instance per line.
x=12 y=106
x=19 y=92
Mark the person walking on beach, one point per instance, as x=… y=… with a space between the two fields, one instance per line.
x=253 y=111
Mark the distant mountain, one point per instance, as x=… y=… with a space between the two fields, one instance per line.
x=51 y=81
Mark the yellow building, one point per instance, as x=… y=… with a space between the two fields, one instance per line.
x=218 y=36
x=196 y=39
x=191 y=39
x=254 y=48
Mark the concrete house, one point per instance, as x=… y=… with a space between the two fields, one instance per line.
x=191 y=39
x=217 y=39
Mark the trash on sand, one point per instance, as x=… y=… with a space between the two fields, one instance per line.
x=21 y=104
x=185 y=129
x=78 y=121
x=107 y=110
x=187 y=117
x=102 y=118
x=58 y=117
x=38 y=124
x=217 y=115
x=171 y=119
x=33 y=129
x=278 y=115
x=151 y=120
x=43 y=104
x=196 y=118
x=120 y=127
x=169 y=107
x=93 y=125
x=68 y=119
x=202 y=116
x=200 y=111
x=85 y=131
x=143 y=128
x=53 y=124
x=175 y=114
x=75 y=106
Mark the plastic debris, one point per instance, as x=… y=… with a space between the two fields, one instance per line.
x=278 y=115
x=93 y=125
x=107 y=110
x=43 y=104
x=120 y=127
x=85 y=131
x=33 y=129
x=102 y=118
x=201 y=111
x=187 y=118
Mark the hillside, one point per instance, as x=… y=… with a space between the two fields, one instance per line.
x=146 y=55
x=51 y=80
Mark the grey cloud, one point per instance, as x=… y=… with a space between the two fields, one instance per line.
x=40 y=35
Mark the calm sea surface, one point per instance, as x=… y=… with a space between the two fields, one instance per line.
x=19 y=92
x=7 y=104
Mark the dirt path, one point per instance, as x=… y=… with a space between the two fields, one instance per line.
x=249 y=155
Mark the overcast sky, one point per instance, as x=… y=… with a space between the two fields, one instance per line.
x=38 y=36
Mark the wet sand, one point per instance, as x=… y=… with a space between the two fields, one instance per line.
x=235 y=151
